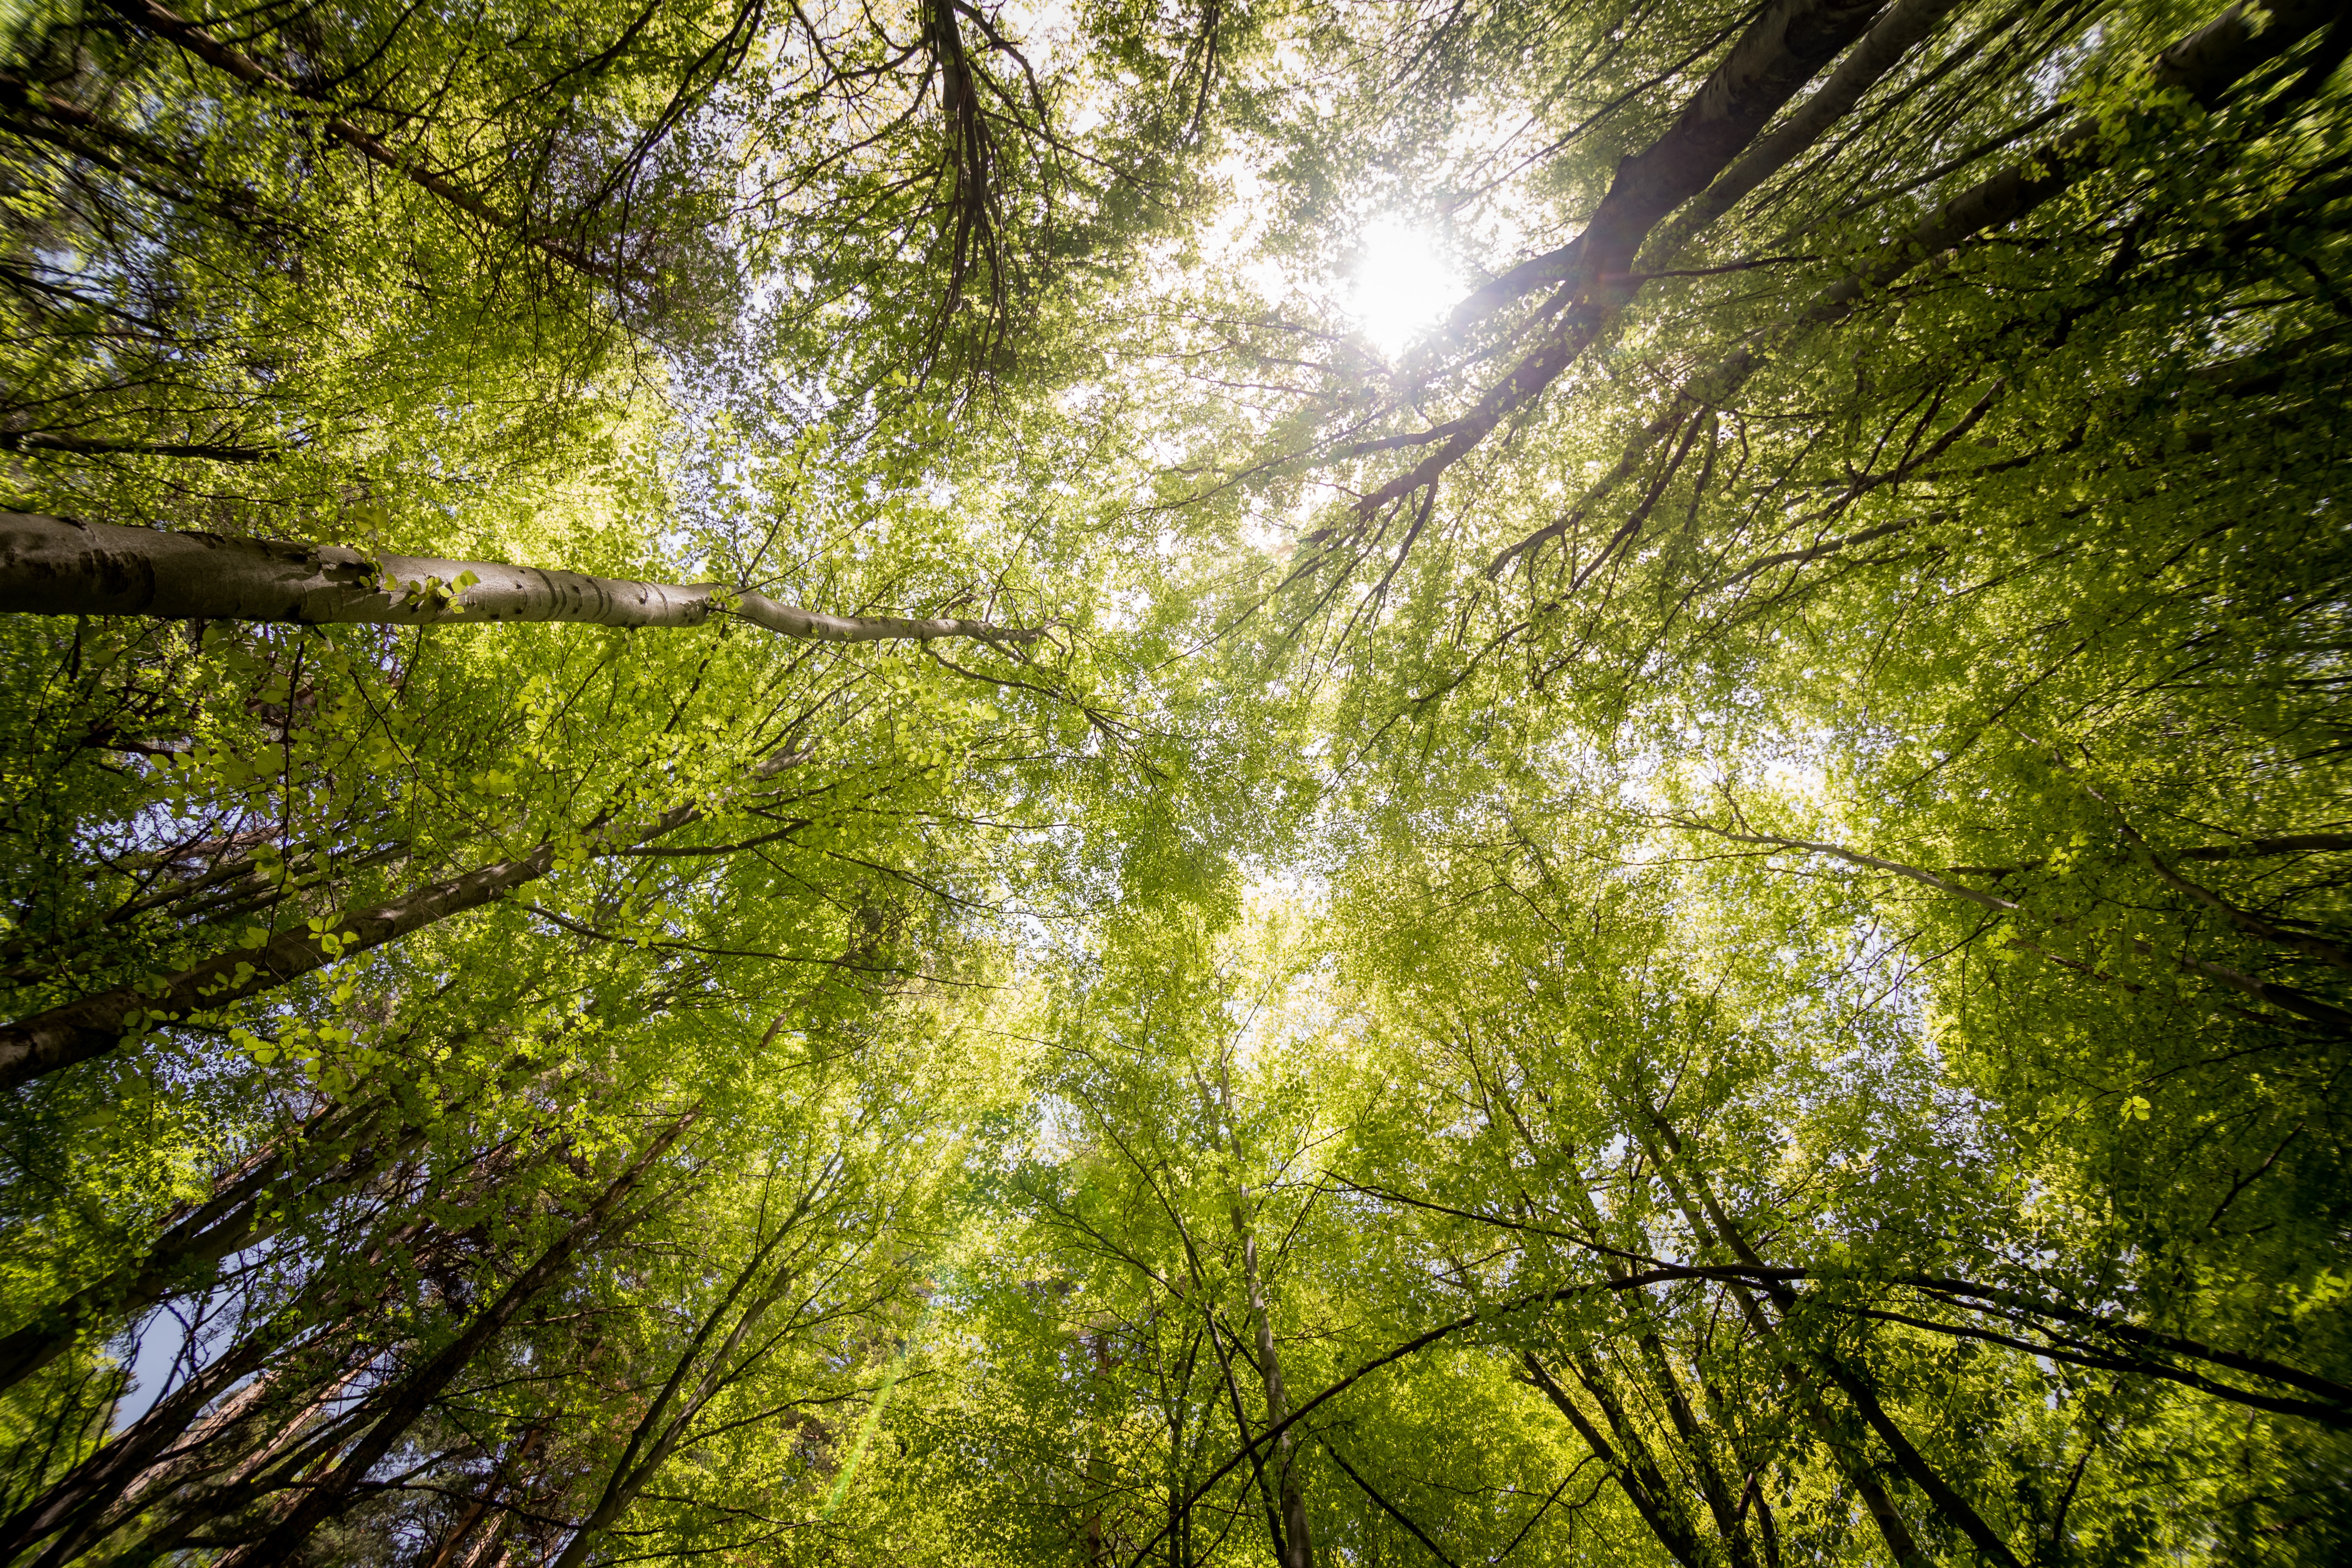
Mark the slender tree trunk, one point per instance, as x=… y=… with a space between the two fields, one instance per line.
x=331 y=1493
x=1636 y=1476
x=659 y=1431
x=94 y=1026
x=1907 y=1457
x=1294 y=1545
x=55 y=566
x=149 y=1448
x=1693 y=1438
x=249 y=1209
x=1297 y=1545
x=236 y=892
x=2206 y=63
x=452 y=1551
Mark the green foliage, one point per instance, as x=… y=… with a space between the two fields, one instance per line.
x=1699 y=917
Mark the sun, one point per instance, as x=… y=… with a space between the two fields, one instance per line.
x=1400 y=285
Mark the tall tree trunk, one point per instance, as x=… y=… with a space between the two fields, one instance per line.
x=149 y=1448
x=659 y=1430
x=1294 y=1545
x=333 y=1492
x=1636 y=1473
x=55 y=566
x=1786 y=45
x=2206 y=63
x=1709 y=1216
x=1903 y=26
x=251 y=1207
x=452 y=1550
x=1696 y=1440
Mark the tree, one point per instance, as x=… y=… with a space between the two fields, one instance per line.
x=782 y=788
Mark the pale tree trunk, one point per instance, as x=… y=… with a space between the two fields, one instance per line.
x=56 y=566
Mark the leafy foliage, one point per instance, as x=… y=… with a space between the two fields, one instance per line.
x=1691 y=908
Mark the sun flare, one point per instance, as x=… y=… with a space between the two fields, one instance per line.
x=1401 y=285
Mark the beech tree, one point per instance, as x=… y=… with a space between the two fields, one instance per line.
x=807 y=783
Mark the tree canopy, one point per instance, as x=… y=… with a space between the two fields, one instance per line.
x=1477 y=782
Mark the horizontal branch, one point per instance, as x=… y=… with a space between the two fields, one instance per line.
x=55 y=566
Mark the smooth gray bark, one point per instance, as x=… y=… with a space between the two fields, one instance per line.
x=56 y=566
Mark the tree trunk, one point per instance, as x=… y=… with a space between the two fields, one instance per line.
x=93 y=1025
x=1881 y=50
x=1913 y=1464
x=144 y=1451
x=251 y=1208
x=657 y=1431
x=55 y=566
x=1636 y=1476
x=2206 y=63
x=331 y=1493
x=1775 y=57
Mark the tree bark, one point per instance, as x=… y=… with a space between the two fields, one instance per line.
x=132 y=1460
x=251 y=1208
x=1907 y=1457
x=1639 y=1478
x=1880 y=50
x=55 y=566
x=658 y=1431
x=2206 y=65
x=1775 y=57
x=1719 y=1501
x=1294 y=1548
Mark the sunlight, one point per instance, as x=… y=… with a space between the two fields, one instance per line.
x=1401 y=285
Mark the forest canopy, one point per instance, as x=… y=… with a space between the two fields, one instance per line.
x=1296 y=782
